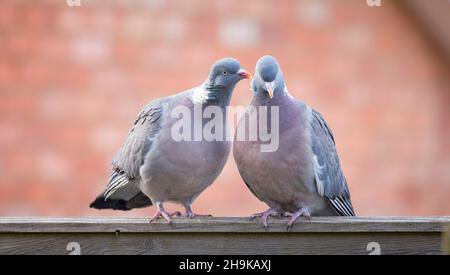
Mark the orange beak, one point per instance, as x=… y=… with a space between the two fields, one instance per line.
x=244 y=74
x=270 y=86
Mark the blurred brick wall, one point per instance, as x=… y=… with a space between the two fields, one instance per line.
x=72 y=80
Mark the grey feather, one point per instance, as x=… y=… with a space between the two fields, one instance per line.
x=130 y=158
x=139 y=141
x=330 y=180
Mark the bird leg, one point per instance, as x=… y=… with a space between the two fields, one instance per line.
x=271 y=212
x=190 y=213
x=163 y=213
x=302 y=212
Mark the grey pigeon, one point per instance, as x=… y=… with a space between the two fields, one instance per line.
x=152 y=167
x=303 y=176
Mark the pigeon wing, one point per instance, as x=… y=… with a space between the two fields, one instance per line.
x=330 y=181
x=122 y=191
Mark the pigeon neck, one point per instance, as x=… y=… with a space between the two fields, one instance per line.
x=280 y=95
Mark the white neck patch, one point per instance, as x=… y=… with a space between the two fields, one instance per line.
x=200 y=94
x=286 y=92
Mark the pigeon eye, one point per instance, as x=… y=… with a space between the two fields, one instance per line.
x=224 y=72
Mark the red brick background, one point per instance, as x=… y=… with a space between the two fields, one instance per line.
x=72 y=80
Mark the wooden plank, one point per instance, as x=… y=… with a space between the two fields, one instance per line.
x=221 y=243
x=230 y=225
x=321 y=235
x=446 y=241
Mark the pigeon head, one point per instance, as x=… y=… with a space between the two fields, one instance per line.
x=268 y=80
x=225 y=73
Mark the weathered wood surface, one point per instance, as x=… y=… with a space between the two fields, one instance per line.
x=325 y=235
x=446 y=241
x=220 y=224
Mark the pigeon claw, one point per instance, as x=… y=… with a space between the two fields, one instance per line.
x=265 y=216
x=302 y=212
x=164 y=214
x=167 y=216
x=191 y=214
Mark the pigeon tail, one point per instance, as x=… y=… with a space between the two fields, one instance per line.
x=115 y=204
x=138 y=201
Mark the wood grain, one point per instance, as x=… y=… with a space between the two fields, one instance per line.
x=355 y=235
x=221 y=243
x=446 y=241
x=222 y=224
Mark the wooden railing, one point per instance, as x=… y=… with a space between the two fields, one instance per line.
x=320 y=235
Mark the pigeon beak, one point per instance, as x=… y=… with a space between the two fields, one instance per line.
x=270 y=87
x=244 y=74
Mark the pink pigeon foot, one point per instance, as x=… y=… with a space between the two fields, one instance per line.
x=190 y=213
x=302 y=212
x=265 y=215
x=163 y=213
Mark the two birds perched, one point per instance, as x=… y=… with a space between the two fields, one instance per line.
x=301 y=178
